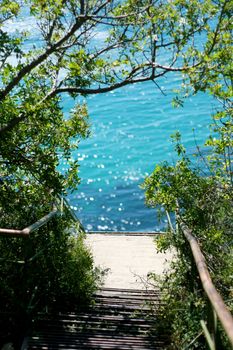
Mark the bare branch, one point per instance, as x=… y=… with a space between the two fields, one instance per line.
x=105 y=17
x=82 y=7
x=101 y=90
x=160 y=89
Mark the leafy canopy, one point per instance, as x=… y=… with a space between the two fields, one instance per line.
x=83 y=48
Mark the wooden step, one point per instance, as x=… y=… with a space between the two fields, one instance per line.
x=125 y=233
x=119 y=319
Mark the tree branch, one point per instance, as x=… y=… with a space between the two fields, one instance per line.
x=29 y=67
x=12 y=123
x=82 y=7
x=101 y=90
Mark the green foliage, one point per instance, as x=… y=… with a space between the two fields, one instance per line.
x=201 y=186
x=50 y=267
x=204 y=196
x=72 y=59
x=34 y=132
x=51 y=271
x=214 y=71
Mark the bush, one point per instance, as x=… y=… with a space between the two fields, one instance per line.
x=202 y=189
x=49 y=271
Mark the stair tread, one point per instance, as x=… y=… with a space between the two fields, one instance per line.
x=119 y=319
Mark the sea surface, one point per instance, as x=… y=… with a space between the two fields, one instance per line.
x=130 y=134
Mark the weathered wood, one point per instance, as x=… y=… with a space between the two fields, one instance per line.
x=27 y=230
x=126 y=233
x=215 y=298
x=11 y=232
x=124 y=325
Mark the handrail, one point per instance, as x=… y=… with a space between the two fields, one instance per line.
x=29 y=229
x=65 y=203
x=214 y=297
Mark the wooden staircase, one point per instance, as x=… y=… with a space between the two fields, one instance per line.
x=120 y=319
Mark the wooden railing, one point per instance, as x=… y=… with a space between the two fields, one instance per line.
x=61 y=203
x=64 y=204
x=217 y=307
x=27 y=230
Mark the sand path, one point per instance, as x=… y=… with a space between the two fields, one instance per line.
x=129 y=258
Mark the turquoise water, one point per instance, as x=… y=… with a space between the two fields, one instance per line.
x=130 y=134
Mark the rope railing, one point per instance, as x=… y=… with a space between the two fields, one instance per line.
x=218 y=309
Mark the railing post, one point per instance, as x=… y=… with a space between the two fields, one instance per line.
x=212 y=323
x=62 y=205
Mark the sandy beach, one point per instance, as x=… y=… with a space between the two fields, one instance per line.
x=129 y=259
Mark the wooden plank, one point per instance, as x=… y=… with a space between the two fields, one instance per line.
x=126 y=233
x=111 y=324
